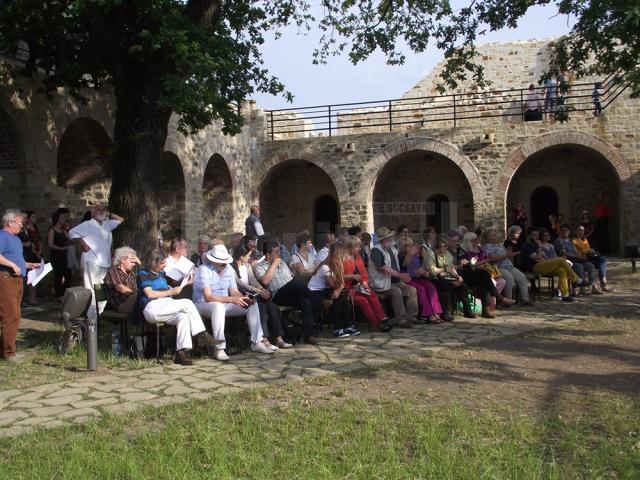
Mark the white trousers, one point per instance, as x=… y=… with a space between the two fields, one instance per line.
x=179 y=312
x=93 y=274
x=217 y=312
x=515 y=277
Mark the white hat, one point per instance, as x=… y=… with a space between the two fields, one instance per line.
x=219 y=254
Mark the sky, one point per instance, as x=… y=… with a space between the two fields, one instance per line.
x=290 y=59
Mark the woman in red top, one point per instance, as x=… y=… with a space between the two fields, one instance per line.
x=364 y=298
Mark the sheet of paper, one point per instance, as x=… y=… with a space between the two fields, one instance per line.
x=34 y=276
x=184 y=265
x=175 y=275
x=185 y=280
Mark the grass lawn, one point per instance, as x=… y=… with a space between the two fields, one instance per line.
x=409 y=420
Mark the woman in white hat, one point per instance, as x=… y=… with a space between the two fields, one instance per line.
x=216 y=295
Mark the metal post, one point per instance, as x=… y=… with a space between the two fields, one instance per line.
x=92 y=343
x=390 y=118
x=271 y=115
x=521 y=105
x=329 y=107
x=455 y=120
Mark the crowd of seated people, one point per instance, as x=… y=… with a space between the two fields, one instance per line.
x=390 y=279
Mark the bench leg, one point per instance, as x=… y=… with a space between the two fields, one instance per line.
x=633 y=265
x=157 y=343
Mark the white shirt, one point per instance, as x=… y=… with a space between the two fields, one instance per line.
x=320 y=280
x=243 y=274
x=98 y=238
x=306 y=264
x=322 y=255
x=258 y=227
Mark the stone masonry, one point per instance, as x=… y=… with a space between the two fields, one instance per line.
x=46 y=149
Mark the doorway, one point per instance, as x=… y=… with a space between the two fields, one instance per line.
x=544 y=202
x=439 y=213
x=325 y=215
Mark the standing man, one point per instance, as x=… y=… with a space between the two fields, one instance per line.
x=602 y=213
x=13 y=268
x=95 y=238
x=252 y=224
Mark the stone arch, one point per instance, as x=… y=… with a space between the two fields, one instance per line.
x=170 y=194
x=84 y=160
x=334 y=173
x=517 y=158
x=288 y=198
x=375 y=166
x=12 y=168
x=217 y=196
x=578 y=166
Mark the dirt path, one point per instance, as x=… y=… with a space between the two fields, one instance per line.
x=549 y=370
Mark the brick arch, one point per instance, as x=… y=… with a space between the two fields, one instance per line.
x=377 y=163
x=334 y=173
x=170 y=192
x=218 y=199
x=517 y=158
x=364 y=194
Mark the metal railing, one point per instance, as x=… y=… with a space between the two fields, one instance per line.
x=387 y=115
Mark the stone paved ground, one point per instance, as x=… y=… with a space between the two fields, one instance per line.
x=89 y=397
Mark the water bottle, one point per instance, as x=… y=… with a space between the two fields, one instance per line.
x=116 y=346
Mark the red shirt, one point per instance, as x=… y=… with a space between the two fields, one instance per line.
x=601 y=210
x=350 y=268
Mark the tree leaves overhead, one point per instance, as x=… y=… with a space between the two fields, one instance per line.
x=202 y=56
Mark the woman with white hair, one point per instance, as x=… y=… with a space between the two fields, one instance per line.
x=503 y=259
x=475 y=274
x=120 y=280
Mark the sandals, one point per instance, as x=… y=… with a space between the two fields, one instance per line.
x=435 y=319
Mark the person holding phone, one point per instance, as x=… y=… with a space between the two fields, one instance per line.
x=216 y=295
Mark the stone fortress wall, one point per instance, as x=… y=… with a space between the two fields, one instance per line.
x=57 y=153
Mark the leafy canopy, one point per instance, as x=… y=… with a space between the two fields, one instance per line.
x=198 y=57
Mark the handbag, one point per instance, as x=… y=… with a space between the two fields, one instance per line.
x=492 y=269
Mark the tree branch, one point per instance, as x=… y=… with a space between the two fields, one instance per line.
x=204 y=12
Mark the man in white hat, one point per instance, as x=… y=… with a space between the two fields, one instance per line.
x=216 y=296
x=385 y=276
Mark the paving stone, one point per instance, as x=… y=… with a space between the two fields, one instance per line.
x=122 y=407
x=205 y=385
x=28 y=397
x=51 y=411
x=98 y=394
x=67 y=391
x=15 y=430
x=179 y=390
x=137 y=396
x=7 y=394
x=162 y=401
x=62 y=400
x=95 y=403
x=154 y=382
x=80 y=412
x=8 y=417
x=34 y=421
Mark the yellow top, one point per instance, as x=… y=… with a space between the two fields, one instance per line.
x=582 y=246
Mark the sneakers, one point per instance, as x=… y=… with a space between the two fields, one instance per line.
x=595 y=291
x=182 y=359
x=568 y=299
x=269 y=345
x=386 y=325
x=220 y=355
x=261 y=348
x=340 y=333
x=352 y=331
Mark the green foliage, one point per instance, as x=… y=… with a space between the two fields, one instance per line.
x=198 y=58
x=603 y=41
x=250 y=436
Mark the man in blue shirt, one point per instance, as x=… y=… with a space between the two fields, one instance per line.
x=216 y=296
x=13 y=268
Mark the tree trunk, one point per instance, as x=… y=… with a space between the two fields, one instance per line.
x=139 y=137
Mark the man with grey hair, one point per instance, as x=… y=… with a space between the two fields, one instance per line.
x=95 y=238
x=204 y=245
x=13 y=268
x=120 y=280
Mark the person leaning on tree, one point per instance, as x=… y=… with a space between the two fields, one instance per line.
x=13 y=268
